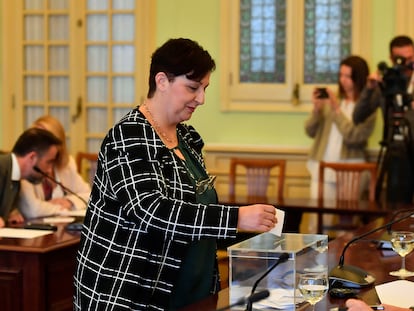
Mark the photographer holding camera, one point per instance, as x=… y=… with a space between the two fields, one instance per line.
x=336 y=137
x=391 y=89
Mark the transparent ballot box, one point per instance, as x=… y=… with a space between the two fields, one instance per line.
x=251 y=259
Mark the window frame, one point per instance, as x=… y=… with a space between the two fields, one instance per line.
x=13 y=72
x=264 y=97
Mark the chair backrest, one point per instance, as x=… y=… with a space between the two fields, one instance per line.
x=86 y=163
x=348 y=179
x=257 y=177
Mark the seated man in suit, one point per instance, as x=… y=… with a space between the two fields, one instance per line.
x=35 y=147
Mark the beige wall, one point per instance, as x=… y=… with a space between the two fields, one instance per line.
x=200 y=20
x=270 y=134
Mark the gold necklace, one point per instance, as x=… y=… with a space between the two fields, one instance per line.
x=158 y=127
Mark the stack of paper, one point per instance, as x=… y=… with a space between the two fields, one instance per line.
x=397 y=293
x=22 y=233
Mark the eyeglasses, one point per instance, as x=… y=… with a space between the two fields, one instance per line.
x=203 y=185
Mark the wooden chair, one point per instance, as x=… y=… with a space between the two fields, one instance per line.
x=257 y=178
x=349 y=178
x=86 y=163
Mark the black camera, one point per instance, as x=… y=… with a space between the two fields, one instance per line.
x=395 y=83
x=322 y=92
x=394 y=79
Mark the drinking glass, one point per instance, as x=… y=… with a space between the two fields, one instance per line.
x=313 y=286
x=402 y=242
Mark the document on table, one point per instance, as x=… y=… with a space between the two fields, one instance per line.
x=58 y=219
x=22 y=233
x=74 y=213
x=280 y=215
x=396 y=293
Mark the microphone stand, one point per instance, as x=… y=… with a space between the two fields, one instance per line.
x=66 y=189
x=282 y=258
x=351 y=272
x=252 y=298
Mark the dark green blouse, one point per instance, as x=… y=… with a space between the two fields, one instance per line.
x=196 y=279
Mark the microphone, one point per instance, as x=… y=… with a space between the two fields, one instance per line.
x=353 y=277
x=66 y=189
x=252 y=298
x=258 y=296
x=282 y=258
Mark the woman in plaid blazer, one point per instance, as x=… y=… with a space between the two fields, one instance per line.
x=149 y=236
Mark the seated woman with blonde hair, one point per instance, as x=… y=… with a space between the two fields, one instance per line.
x=49 y=198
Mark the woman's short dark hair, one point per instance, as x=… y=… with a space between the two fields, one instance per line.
x=359 y=74
x=35 y=139
x=178 y=57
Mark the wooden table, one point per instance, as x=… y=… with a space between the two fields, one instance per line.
x=362 y=254
x=37 y=274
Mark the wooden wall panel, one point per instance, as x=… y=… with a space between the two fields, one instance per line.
x=217 y=157
x=11 y=289
x=297 y=177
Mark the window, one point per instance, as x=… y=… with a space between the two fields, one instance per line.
x=327 y=38
x=80 y=62
x=275 y=51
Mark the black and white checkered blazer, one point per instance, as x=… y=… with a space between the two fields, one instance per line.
x=140 y=220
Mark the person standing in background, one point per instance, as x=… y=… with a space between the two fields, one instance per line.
x=399 y=169
x=48 y=198
x=150 y=231
x=34 y=147
x=400 y=48
x=336 y=137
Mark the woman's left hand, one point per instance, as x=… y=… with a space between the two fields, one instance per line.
x=63 y=202
x=15 y=217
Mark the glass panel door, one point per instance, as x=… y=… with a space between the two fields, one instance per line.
x=45 y=69
x=77 y=61
x=110 y=79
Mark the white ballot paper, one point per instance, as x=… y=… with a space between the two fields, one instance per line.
x=22 y=233
x=280 y=215
x=397 y=293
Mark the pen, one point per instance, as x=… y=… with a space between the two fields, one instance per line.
x=373 y=307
